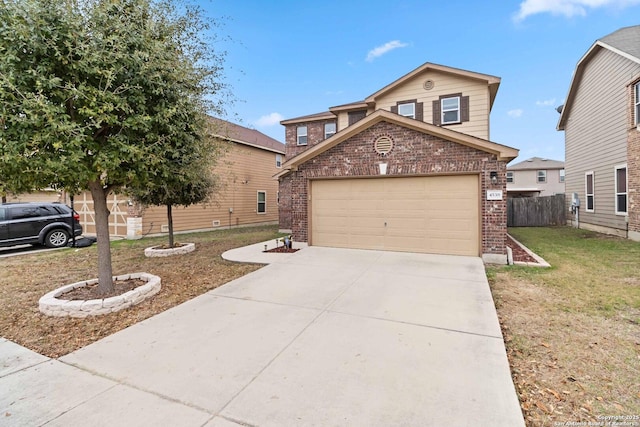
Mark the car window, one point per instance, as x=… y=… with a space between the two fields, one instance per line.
x=47 y=211
x=2 y=214
x=22 y=213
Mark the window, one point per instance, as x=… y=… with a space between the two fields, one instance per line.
x=542 y=176
x=509 y=177
x=407 y=110
x=301 y=134
x=561 y=172
x=636 y=90
x=262 y=201
x=355 y=116
x=278 y=160
x=450 y=110
x=589 y=184
x=621 y=189
x=329 y=130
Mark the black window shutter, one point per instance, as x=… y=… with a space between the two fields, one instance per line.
x=420 y=111
x=436 y=113
x=464 y=109
x=394 y=109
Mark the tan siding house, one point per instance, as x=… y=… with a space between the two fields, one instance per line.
x=535 y=177
x=600 y=126
x=249 y=194
x=410 y=168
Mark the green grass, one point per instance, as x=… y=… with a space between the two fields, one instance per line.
x=591 y=273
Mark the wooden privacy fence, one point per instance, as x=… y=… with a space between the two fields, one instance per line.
x=536 y=211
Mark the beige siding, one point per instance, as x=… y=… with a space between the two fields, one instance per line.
x=244 y=171
x=529 y=179
x=445 y=84
x=595 y=134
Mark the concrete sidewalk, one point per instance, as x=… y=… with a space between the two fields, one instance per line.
x=319 y=337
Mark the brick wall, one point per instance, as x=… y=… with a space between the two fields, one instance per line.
x=284 y=204
x=315 y=135
x=414 y=153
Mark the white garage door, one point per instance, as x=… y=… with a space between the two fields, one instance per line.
x=437 y=215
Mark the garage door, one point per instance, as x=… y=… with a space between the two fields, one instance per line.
x=437 y=215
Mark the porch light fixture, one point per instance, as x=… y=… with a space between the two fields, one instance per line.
x=383 y=168
x=494 y=177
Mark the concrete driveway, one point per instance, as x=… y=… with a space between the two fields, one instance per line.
x=321 y=337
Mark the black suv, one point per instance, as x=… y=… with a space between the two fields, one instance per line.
x=37 y=223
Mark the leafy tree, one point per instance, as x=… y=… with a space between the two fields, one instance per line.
x=95 y=94
x=186 y=180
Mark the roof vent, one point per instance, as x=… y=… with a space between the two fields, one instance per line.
x=383 y=145
x=428 y=84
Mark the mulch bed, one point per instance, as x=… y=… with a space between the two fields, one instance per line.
x=90 y=292
x=519 y=254
x=282 y=250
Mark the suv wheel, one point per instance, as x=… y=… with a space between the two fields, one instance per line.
x=56 y=238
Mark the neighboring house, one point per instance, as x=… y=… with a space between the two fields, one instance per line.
x=249 y=195
x=409 y=168
x=601 y=123
x=535 y=177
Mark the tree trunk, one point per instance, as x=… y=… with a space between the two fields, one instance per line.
x=105 y=276
x=170 y=220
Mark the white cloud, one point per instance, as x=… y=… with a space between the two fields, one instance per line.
x=381 y=50
x=546 y=103
x=568 y=8
x=269 y=120
x=515 y=113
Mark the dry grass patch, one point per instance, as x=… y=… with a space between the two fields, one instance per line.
x=573 y=331
x=26 y=278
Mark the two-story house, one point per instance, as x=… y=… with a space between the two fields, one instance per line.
x=248 y=194
x=601 y=124
x=409 y=168
x=535 y=177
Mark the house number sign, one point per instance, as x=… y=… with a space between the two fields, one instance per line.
x=494 y=194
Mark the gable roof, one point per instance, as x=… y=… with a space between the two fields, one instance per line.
x=536 y=163
x=492 y=81
x=242 y=135
x=624 y=42
x=501 y=151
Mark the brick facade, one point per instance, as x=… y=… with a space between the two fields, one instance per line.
x=414 y=154
x=315 y=135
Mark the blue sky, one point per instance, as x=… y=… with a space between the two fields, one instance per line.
x=292 y=58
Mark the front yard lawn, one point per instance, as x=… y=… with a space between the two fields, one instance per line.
x=26 y=278
x=573 y=330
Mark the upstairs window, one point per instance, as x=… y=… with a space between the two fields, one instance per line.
x=561 y=172
x=450 y=110
x=301 y=135
x=407 y=110
x=509 y=177
x=355 y=116
x=278 y=160
x=621 y=189
x=636 y=91
x=329 y=130
x=589 y=186
x=542 y=176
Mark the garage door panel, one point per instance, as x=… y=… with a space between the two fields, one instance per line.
x=417 y=214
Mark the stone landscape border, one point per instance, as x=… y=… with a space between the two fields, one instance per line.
x=179 y=250
x=50 y=305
